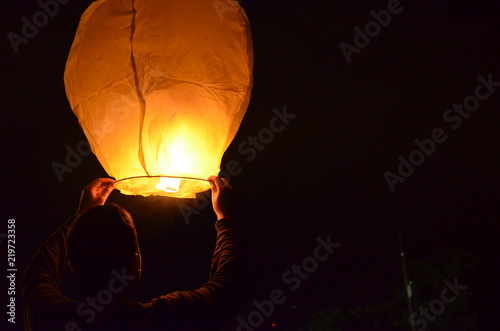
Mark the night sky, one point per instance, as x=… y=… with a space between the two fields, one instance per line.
x=352 y=118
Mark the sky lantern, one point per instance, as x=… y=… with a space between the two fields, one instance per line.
x=160 y=89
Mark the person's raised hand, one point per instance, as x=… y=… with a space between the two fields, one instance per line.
x=95 y=194
x=223 y=200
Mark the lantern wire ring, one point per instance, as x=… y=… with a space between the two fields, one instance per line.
x=161 y=176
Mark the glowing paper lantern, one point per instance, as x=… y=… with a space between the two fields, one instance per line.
x=160 y=89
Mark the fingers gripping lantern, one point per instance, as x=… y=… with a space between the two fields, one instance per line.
x=160 y=89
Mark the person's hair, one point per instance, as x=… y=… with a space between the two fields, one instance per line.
x=100 y=240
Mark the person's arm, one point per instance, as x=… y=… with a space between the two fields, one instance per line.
x=41 y=294
x=44 y=306
x=221 y=293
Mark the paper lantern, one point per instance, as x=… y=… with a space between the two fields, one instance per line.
x=160 y=89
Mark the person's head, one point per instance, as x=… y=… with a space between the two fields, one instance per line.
x=102 y=246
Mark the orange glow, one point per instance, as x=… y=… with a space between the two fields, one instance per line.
x=169 y=184
x=160 y=90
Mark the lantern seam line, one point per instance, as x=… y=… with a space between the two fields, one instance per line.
x=140 y=96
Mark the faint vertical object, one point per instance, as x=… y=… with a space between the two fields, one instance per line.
x=408 y=290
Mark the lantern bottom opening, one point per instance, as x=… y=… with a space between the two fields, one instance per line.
x=161 y=185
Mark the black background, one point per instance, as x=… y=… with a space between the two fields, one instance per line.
x=323 y=175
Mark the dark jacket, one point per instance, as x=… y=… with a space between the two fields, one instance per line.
x=45 y=307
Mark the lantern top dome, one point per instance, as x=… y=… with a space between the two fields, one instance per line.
x=160 y=89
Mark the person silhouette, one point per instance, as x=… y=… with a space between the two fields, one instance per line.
x=83 y=275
